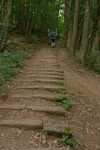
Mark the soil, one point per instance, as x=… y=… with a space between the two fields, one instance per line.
x=83 y=86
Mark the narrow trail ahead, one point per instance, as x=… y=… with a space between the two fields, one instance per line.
x=31 y=105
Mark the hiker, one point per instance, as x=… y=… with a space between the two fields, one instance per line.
x=52 y=37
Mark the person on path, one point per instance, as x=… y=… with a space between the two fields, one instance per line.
x=52 y=37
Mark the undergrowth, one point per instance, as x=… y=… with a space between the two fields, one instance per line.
x=10 y=63
x=65 y=100
x=67 y=138
x=92 y=61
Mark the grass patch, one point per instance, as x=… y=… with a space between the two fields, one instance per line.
x=62 y=91
x=93 y=61
x=10 y=63
x=67 y=138
x=65 y=101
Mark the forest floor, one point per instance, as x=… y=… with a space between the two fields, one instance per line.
x=31 y=104
x=84 y=86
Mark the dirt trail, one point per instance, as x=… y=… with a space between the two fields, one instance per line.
x=31 y=104
x=84 y=86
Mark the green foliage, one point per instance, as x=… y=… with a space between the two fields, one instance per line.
x=78 y=57
x=67 y=138
x=34 y=39
x=61 y=91
x=65 y=101
x=93 y=61
x=61 y=23
x=10 y=63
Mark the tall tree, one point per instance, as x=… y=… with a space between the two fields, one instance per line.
x=1 y=4
x=85 y=35
x=66 y=21
x=5 y=27
x=75 y=26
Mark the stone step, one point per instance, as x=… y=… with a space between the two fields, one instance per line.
x=51 y=109
x=24 y=123
x=54 y=129
x=34 y=96
x=45 y=87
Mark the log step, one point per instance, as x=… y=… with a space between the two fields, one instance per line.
x=34 y=96
x=47 y=70
x=55 y=129
x=49 y=148
x=42 y=81
x=57 y=77
x=45 y=73
x=26 y=124
x=45 y=87
x=51 y=110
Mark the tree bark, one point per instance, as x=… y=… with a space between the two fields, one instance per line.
x=85 y=36
x=96 y=43
x=1 y=4
x=33 y=23
x=75 y=26
x=6 y=22
x=66 y=22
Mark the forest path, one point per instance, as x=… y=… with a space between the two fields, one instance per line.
x=31 y=105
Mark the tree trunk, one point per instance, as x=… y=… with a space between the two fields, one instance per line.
x=66 y=22
x=33 y=23
x=85 y=36
x=1 y=4
x=21 y=16
x=6 y=22
x=75 y=26
x=96 y=43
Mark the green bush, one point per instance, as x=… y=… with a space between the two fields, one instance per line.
x=10 y=63
x=64 y=100
x=34 y=39
x=67 y=138
x=93 y=61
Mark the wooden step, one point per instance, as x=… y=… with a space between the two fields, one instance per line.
x=45 y=87
x=45 y=70
x=44 y=73
x=34 y=96
x=49 y=148
x=44 y=76
x=36 y=65
x=54 y=129
x=24 y=123
x=49 y=109
x=40 y=80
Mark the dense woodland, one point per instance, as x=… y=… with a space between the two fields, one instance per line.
x=77 y=22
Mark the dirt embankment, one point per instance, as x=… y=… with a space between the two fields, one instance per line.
x=84 y=86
